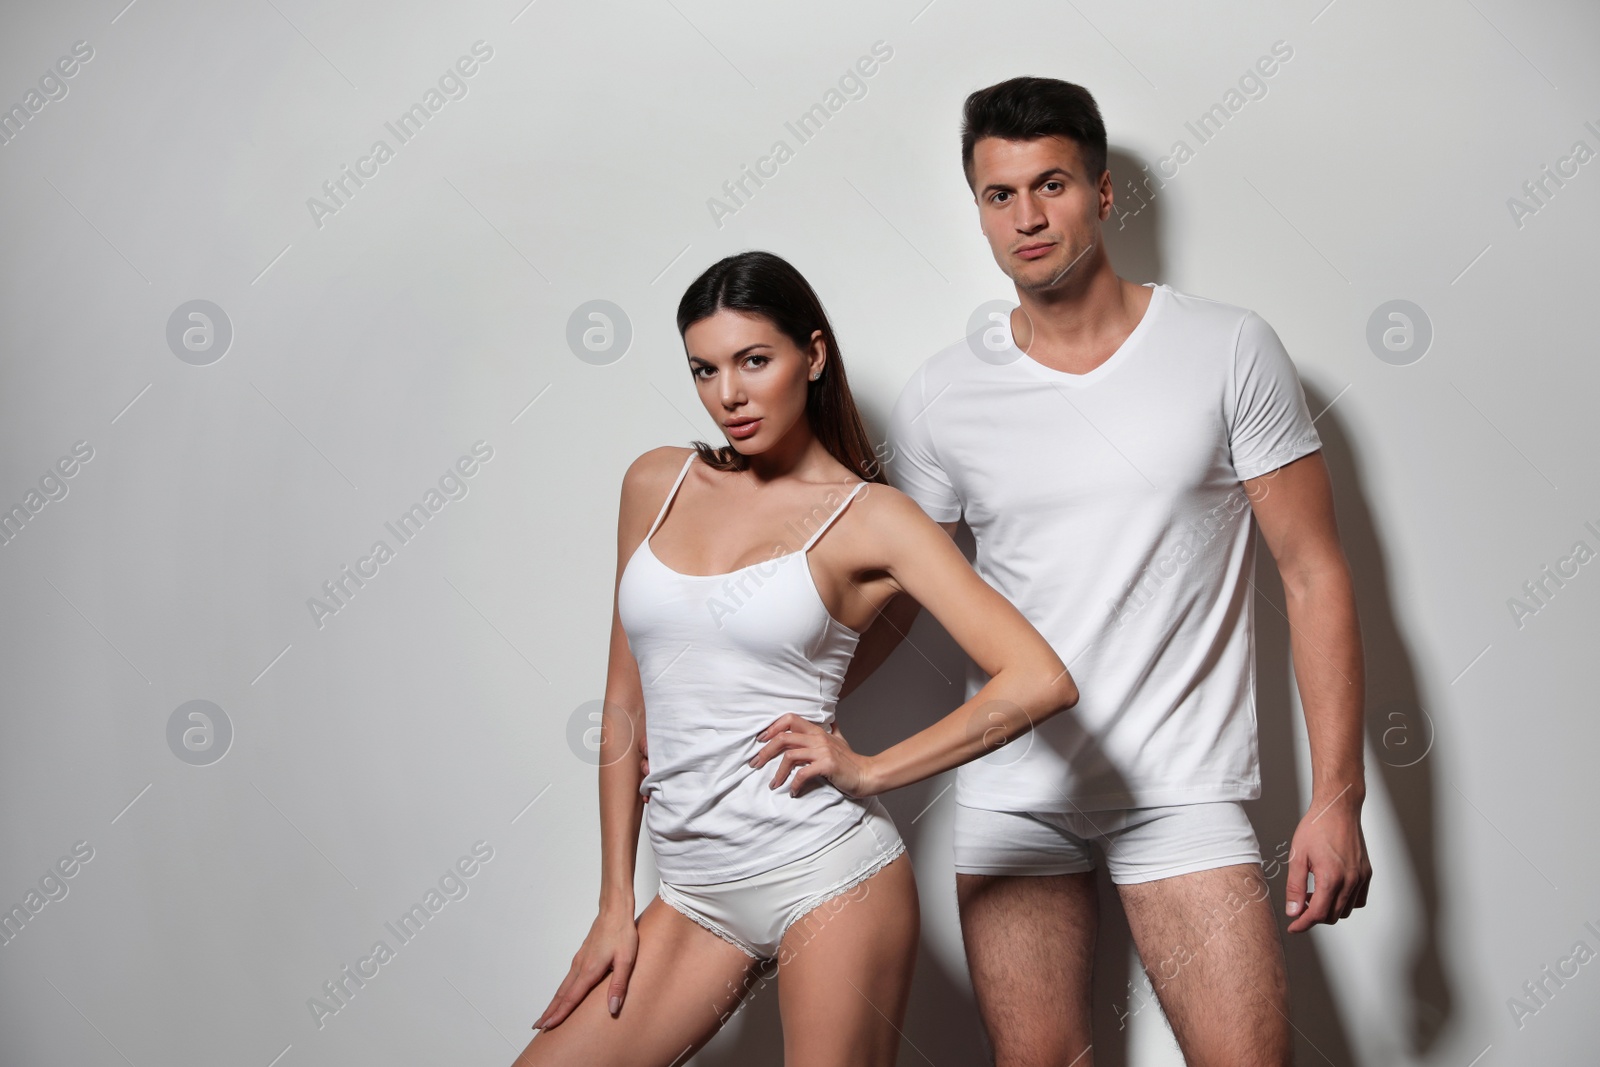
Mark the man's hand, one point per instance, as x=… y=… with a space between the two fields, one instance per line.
x=1328 y=843
x=1294 y=507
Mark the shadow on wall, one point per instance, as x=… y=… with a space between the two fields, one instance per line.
x=1133 y=229
x=1399 y=740
x=924 y=679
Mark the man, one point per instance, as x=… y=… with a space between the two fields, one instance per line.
x=1113 y=446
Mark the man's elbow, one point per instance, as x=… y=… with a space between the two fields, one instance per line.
x=1313 y=574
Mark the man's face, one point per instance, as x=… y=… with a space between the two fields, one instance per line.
x=1039 y=208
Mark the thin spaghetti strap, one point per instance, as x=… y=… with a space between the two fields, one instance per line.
x=836 y=513
x=670 y=494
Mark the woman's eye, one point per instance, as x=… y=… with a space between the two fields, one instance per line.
x=696 y=371
x=764 y=360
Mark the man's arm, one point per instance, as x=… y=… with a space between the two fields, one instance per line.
x=1294 y=507
x=884 y=635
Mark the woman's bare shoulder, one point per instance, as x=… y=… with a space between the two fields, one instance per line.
x=651 y=468
x=890 y=504
x=890 y=518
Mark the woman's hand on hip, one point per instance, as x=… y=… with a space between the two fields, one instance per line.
x=812 y=751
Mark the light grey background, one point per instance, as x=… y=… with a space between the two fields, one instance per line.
x=434 y=710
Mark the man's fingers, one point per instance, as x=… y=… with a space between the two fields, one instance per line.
x=1349 y=902
x=1295 y=887
x=1320 y=908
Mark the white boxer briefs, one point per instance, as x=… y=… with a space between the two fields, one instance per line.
x=1141 y=844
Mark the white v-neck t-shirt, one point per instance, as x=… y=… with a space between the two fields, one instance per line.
x=1108 y=508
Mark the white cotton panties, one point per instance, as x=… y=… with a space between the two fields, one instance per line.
x=755 y=912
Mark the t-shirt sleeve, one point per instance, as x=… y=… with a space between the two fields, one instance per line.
x=1270 y=423
x=914 y=466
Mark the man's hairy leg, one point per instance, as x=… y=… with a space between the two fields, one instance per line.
x=1030 y=949
x=1209 y=942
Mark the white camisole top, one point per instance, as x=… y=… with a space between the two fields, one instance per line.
x=720 y=657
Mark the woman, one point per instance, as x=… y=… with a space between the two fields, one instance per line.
x=735 y=620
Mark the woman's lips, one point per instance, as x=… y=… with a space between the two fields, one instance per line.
x=744 y=429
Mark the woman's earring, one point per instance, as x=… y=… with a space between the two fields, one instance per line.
x=817 y=375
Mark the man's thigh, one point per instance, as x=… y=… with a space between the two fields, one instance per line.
x=1209 y=942
x=1029 y=909
x=1030 y=943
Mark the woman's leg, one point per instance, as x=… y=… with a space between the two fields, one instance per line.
x=844 y=973
x=685 y=983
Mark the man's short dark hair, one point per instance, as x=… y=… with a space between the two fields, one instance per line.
x=1023 y=109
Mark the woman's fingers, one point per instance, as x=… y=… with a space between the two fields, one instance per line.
x=788 y=721
x=804 y=775
x=783 y=770
x=813 y=762
x=588 y=967
x=786 y=731
x=621 y=971
x=775 y=746
x=791 y=759
x=562 y=1003
x=780 y=723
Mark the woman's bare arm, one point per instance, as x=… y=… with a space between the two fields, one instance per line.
x=613 y=941
x=623 y=716
x=1027 y=684
x=889 y=627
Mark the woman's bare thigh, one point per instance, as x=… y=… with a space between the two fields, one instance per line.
x=844 y=973
x=685 y=983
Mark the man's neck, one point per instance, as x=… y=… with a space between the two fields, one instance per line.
x=1080 y=325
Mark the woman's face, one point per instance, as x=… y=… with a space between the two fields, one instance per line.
x=750 y=376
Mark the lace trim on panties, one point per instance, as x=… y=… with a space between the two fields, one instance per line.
x=689 y=912
x=816 y=900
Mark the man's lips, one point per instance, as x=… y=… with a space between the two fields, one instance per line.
x=1034 y=251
